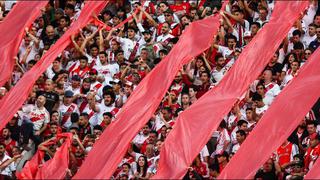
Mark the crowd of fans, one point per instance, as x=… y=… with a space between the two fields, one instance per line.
x=86 y=86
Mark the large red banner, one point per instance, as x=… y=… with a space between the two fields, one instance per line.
x=103 y=159
x=19 y=93
x=12 y=31
x=195 y=126
x=285 y=114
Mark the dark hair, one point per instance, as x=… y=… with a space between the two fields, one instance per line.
x=256 y=97
x=168 y=109
x=127 y=164
x=74 y=117
x=257 y=24
x=241 y=122
x=223 y=124
x=165 y=3
x=232 y=37
x=84 y=58
x=66 y=18
x=298 y=45
x=33 y=62
x=70 y=6
x=108 y=114
x=296 y=32
x=132 y=28
x=97 y=127
x=241 y=132
x=260 y=84
x=249 y=109
x=314 y=25
x=309 y=122
x=94 y=46
x=145 y=166
x=154 y=132
x=111 y=94
x=86 y=115
x=103 y=52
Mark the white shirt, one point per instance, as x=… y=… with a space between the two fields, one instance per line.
x=218 y=75
x=235 y=148
x=307 y=39
x=22 y=51
x=223 y=137
x=262 y=110
x=102 y=109
x=62 y=111
x=37 y=116
x=163 y=38
x=108 y=71
x=274 y=91
x=127 y=46
x=308 y=18
x=140 y=138
x=92 y=115
x=9 y=169
x=225 y=51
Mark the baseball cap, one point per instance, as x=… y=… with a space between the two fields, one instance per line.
x=76 y=78
x=68 y=93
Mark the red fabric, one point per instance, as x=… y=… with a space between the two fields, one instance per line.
x=308 y=80
x=106 y=154
x=17 y=95
x=314 y=173
x=56 y=167
x=12 y=31
x=206 y=113
x=30 y=169
x=279 y=121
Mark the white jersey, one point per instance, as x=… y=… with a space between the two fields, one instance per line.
x=9 y=169
x=92 y=115
x=37 y=116
x=102 y=109
x=108 y=71
x=64 y=111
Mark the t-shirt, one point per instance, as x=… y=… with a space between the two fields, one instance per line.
x=37 y=116
x=9 y=169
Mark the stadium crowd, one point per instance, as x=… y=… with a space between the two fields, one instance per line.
x=88 y=84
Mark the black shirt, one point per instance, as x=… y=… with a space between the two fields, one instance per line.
x=51 y=99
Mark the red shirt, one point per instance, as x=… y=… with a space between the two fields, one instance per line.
x=311 y=156
x=202 y=169
x=284 y=154
x=185 y=6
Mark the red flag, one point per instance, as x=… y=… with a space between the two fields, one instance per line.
x=276 y=125
x=314 y=173
x=31 y=168
x=195 y=126
x=12 y=31
x=19 y=93
x=56 y=168
x=105 y=155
